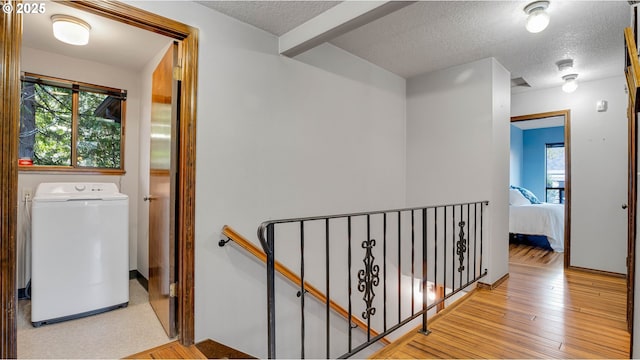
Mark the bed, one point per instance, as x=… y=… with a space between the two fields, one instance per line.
x=529 y=218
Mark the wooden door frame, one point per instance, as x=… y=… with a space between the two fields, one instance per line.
x=567 y=182
x=11 y=35
x=631 y=214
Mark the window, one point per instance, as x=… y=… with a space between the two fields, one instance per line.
x=555 y=173
x=67 y=125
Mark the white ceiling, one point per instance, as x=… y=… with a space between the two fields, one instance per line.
x=276 y=17
x=419 y=38
x=111 y=42
x=433 y=35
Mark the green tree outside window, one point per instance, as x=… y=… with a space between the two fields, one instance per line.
x=64 y=124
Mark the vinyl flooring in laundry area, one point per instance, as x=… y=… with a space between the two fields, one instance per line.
x=114 y=334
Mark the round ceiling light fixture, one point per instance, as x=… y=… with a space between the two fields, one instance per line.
x=70 y=30
x=538 y=19
x=570 y=83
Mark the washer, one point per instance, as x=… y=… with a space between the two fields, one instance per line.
x=80 y=251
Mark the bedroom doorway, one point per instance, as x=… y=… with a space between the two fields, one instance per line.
x=548 y=131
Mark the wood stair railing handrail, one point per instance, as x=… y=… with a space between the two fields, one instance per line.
x=255 y=251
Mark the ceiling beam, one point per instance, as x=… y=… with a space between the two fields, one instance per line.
x=334 y=22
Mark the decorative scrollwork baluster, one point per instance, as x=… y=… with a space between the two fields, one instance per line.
x=461 y=246
x=368 y=278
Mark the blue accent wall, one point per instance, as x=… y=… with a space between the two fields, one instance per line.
x=515 y=162
x=533 y=157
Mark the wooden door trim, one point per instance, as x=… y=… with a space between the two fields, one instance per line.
x=567 y=189
x=11 y=34
x=631 y=208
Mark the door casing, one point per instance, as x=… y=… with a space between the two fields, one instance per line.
x=567 y=164
x=11 y=35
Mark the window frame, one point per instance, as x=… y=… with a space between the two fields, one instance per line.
x=562 y=190
x=76 y=87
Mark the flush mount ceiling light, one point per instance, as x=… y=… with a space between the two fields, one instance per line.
x=570 y=83
x=538 y=18
x=70 y=30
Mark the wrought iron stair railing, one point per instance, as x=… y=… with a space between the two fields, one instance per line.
x=232 y=235
x=440 y=247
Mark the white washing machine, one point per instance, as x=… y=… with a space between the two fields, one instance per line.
x=80 y=251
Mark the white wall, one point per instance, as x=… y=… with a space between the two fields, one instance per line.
x=45 y=63
x=458 y=146
x=498 y=256
x=598 y=168
x=277 y=138
x=515 y=169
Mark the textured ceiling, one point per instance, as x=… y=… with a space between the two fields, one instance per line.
x=422 y=37
x=433 y=35
x=106 y=44
x=276 y=17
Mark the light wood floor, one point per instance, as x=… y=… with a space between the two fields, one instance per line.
x=540 y=311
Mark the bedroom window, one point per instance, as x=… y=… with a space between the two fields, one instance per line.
x=554 y=174
x=70 y=126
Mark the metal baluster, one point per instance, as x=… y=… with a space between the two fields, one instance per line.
x=462 y=247
x=413 y=260
x=384 y=270
x=435 y=250
x=369 y=316
x=302 y=290
x=326 y=226
x=349 y=279
x=444 y=251
x=475 y=238
x=424 y=272
x=271 y=300
x=468 y=239
x=399 y=268
x=453 y=248
x=481 y=235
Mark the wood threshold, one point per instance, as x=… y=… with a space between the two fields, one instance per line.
x=215 y=350
x=595 y=271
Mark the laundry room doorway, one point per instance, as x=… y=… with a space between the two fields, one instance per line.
x=11 y=34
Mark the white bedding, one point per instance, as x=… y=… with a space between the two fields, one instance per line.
x=540 y=219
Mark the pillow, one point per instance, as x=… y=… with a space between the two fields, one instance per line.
x=527 y=194
x=516 y=198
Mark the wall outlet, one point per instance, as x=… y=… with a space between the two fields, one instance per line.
x=27 y=194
